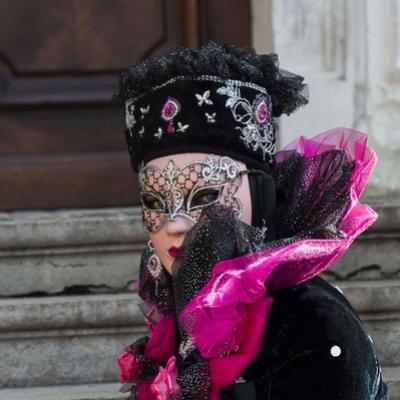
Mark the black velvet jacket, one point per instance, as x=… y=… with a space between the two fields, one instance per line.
x=315 y=348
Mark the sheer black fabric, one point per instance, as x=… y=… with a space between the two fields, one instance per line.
x=312 y=194
x=263 y=199
x=303 y=198
x=218 y=235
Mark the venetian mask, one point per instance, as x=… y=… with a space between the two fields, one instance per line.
x=184 y=191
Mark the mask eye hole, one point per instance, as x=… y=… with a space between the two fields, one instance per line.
x=152 y=202
x=204 y=197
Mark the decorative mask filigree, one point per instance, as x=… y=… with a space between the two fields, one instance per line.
x=172 y=191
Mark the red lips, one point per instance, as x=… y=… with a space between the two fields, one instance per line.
x=174 y=251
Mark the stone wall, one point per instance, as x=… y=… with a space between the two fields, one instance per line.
x=349 y=53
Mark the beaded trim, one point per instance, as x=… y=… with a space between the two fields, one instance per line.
x=209 y=78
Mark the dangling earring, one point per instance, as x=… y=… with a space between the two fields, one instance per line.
x=154 y=265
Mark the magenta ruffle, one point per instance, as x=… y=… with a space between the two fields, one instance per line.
x=238 y=285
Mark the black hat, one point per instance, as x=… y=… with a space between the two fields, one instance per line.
x=219 y=99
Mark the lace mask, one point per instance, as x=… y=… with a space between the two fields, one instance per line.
x=172 y=191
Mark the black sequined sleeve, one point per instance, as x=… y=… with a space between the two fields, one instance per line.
x=316 y=348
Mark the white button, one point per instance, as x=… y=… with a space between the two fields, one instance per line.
x=336 y=351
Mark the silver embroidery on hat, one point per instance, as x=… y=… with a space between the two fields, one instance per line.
x=255 y=135
x=211 y=117
x=144 y=111
x=204 y=98
x=141 y=132
x=256 y=127
x=129 y=110
x=182 y=127
x=159 y=133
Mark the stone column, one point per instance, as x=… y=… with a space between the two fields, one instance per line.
x=349 y=53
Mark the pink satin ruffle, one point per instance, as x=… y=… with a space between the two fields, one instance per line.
x=165 y=383
x=237 y=285
x=161 y=347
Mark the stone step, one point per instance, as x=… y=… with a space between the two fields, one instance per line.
x=375 y=254
x=76 y=339
x=98 y=250
x=99 y=391
x=65 y=339
x=70 y=251
x=109 y=391
x=378 y=305
x=392 y=377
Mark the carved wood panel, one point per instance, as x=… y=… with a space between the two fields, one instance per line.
x=61 y=140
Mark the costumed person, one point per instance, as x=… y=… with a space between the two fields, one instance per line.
x=239 y=234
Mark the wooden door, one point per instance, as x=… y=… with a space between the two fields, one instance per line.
x=61 y=139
